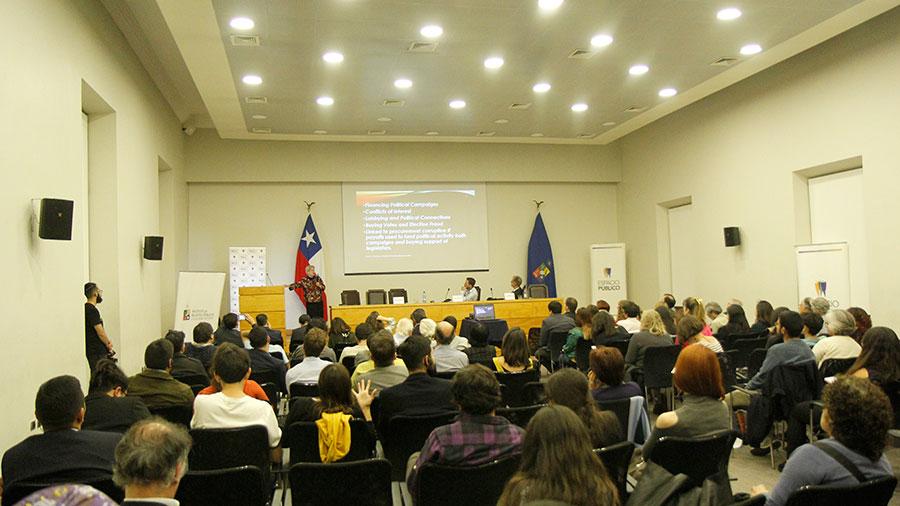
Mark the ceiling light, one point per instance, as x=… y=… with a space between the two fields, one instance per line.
x=252 y=80
x=751 y=49
x=242 y=23
x=668 y=92
x=324 y=100
x=320 y=132
x=549 y=5
x=729 y=14
x=537 y=134
x=638 y=70
x=541 y=87
x=494 y=62
x=601 y=40
x=457 y=104
x=259 y=116
x=501 y=121
x=579 y=107
x=431 y=133
x=403 y=83
x=431 y=31
x=333 y=57
x=384 y=119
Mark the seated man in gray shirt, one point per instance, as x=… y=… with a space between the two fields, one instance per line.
x=446 y=357
x=386 y=373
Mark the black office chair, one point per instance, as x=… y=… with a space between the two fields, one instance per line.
x=303 y=440
x=877 y=492
x=729 y=340
x=835 y=366
x=555 y=343
x=304 y=390
x=697 y=457
x=180 y=414
x=513 y=383
x=744 y=347
x=193 y=379
x=454 y=485
x=233 y=485
x=14 y=494
x=621 y=408
x=619 y=344
x=583 y=355
x=478 y=291
x=616 y=458
x=350 y=363
x=272 y=378
x=376 y=297
x=537 y=291
x=197 y=388
x=755 y=362
x=397 y=292
x=406 y=435
x=658 y=364
x=216 y=449
x=361 y=482
x=534 y=390
x=729 y=376
x=520 y=416
x=447 y=375
x=350 y=298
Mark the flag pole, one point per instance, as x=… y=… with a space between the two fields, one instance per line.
x=538 y=204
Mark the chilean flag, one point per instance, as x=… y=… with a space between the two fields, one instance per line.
x=309 y=252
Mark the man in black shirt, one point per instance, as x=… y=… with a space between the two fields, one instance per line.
x=260 y=360
x=97 y=344
x=202 y=348
x=275 y=337
x=299 y=333
x=228 y=332
x=184 y=366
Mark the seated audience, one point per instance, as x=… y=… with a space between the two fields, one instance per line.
x=275 y=337
x=151 y=459
x=251 y=388
x=583 y=319
x=668 y=318
x=364 y=362
x=327 y=352
x=480 y=352
x=715 y=316
x=228 y=331
x=154 y=385
x=555 y=322
x=817 y=305
x=812 y=325
x=106 y=406
x=417 y=316
x=460 y=343
x=231 y=407
x=478 y=436
x=764 y=317
x=68 y=494
x=260 y=360
x=879 y=360
x=340 y=333
x=569 y=388
x=184 y=366
x=63 y=452
x=558 y=465
x=387 y=371
x=376 y=321
x=602 y=305
x=694 y=306
x=652 y=333
x=571 y=307
x=363 y=332
x=698 y=376
x=863 y=322
x=202 y=348
x=737 y=323
x=404 y=330
x=690 y=331
x=446 y=357
x=427 y=328
x=336 y=395
x=607 y=376
x=299 y=333
x=628 y=317
x=857 y=415
x=839 y=343
x=605 y=330
x=775 y=336
x=307 y=372
x=514 y=356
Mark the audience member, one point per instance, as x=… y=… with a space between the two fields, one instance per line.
x=812 y=325
x=299 y=333
x=628 y=318
x=694 y=306
x=607 y=376
x=64 y=452
x=737 y=324
x=879 y=360
x=151 y=459
x=583 y=319
x=478 y=436
x=690 y=331
x=715 y=316
x=363 y=332
x=602 y=305
x=68 y=494
x=202 y=348
x=387 y=370
x=327 y=352
x=857 y=415
x=106 y=406
x=668 y=318
x=514 y=356
x=251 y=388
x=446 y=357
x=863 y=322
x=818 y=305
x=518 y=289
x=480 y=352
x=275 y=337
x=154 y=385
x=336 y=395
x=555 y=322
x=228 y=331
x=571 y=307
x=260 y=360
x=340 y=333
x=417 y=316
x=605 y=330
x=775 y=336
x=460 y=343
x=569 y=388
x=365 y=364
x=669 y=300
x=184 y=366
x=765 y=317
x=308 y=370
x=839 y=343
x=558 y=465
x=427 y=328
x=404 y=330
x=699 y=377
x=652 y=334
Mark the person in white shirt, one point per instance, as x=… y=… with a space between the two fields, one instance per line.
x=446 y=357
x=469 y=293
x=628 y=316
x=459 y=343
x=841 y=325
x=231 y=407
x=151 y=459
x=404 y=330
x=363 y=332
x=307 y=372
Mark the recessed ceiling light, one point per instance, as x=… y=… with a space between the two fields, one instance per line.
x=501 y=121
x=728 y=14
x=537 y=134
x=384 y=119
x=252 y=80
x=579 y=107
x=242 y=23
x=403 y=83
x=320 y=132
x=494 y=62
x=431 y=31
x=601 y=40
x=668 y=92
x=541 y=87
x=751 y=49
x=431 y=133
x=259 y=116
x=638 y=70
x=457 y=104
x=324 y=100
x=333 y=57
x=549 y=5
x=609 y=123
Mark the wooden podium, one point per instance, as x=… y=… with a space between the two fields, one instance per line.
x=254 y=300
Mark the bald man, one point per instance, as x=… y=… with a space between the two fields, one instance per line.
x=446 y=357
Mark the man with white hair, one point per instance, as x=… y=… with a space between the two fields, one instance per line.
x=404 y=330
x=817 y=305
x=446 y=357
x=839 y=344
x=151 y=459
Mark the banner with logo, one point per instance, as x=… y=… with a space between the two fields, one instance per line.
x=608 y=280
x=823 y=270
x=199 y=299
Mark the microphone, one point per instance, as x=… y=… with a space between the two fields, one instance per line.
x=269 y=280
x=492 y=292
x=447 y=296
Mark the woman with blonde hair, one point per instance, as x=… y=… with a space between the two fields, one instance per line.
x=653 y=333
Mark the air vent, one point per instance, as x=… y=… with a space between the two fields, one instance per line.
x=635 y=108
x=519 y=106
x=261 y=130
x=581 y=54
x=422 y=47
x=377 y=132
x=393 y=102
x=486 y=134
x=586 y=136
x=256 y=100
x=725 y=61
x=245 y=40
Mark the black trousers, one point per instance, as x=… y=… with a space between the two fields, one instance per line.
x=315 y=309
x=795 y=436
x=93 y=359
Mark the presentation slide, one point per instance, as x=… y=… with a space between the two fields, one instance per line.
x=414 y=227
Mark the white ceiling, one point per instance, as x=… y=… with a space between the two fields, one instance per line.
x=678 y=39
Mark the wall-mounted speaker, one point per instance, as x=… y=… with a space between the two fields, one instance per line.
x=153 y=247
x=55 y=219
x=732 y=236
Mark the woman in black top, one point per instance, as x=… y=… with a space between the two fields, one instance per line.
x=480 y=352
x=106 y=406
x=765 y=317
x=340 y=333
x=737 y=323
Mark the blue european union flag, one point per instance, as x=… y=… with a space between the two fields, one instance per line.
x=541 y=270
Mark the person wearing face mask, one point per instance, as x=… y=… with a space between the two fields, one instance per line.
x=106 y=407
x=97 y=344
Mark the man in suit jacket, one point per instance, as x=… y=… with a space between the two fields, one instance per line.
x=261 y=361
x=299 y=333
x=420 y=394
x=63 y=453
x=229 y=332
x=184 y=366
x=151 y=459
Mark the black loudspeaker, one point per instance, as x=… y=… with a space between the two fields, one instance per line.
x=732 y=236
x=55 y=220
x=153 y=247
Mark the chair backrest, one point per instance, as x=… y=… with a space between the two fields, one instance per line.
x=192 y=379
x=447 y=375
x=376 y=297
x=619 y=344
x=744 y=348
x=520 y=416
x=514 y=392
x=616 y=458
x=265 y=377
x=835 y=366
x=215 y=449
x=453 y=485
x=534 y=390
x=537 y=291
x=234 y=485
x=658 y=364
x=729 y=376
x=273 y=393
x=350 y=298
x=304 y=389
x=196 y=389
x=349 y=362
x=181 y=414
x=360 y=482
x=397 y=292
x=789 y=384
x=877 y=492
x=406 y=435
x=303 y=438
x=755 y=361
x=729 y=340
x=14 y=494
x=478 y=291
x=697 y=457
x=583 y=354
x=621 y=408
x=555 y=342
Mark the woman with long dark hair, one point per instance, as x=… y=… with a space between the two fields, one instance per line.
x=335 y=396
x=737 y=323
x=569 y=388
x=863 y=322
x=765 y=317
x=514 y=353
x=340 y=333
x=879 y=360
x=694 y=306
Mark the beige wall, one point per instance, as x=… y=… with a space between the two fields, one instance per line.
x=60 y=44
x=735 y=155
